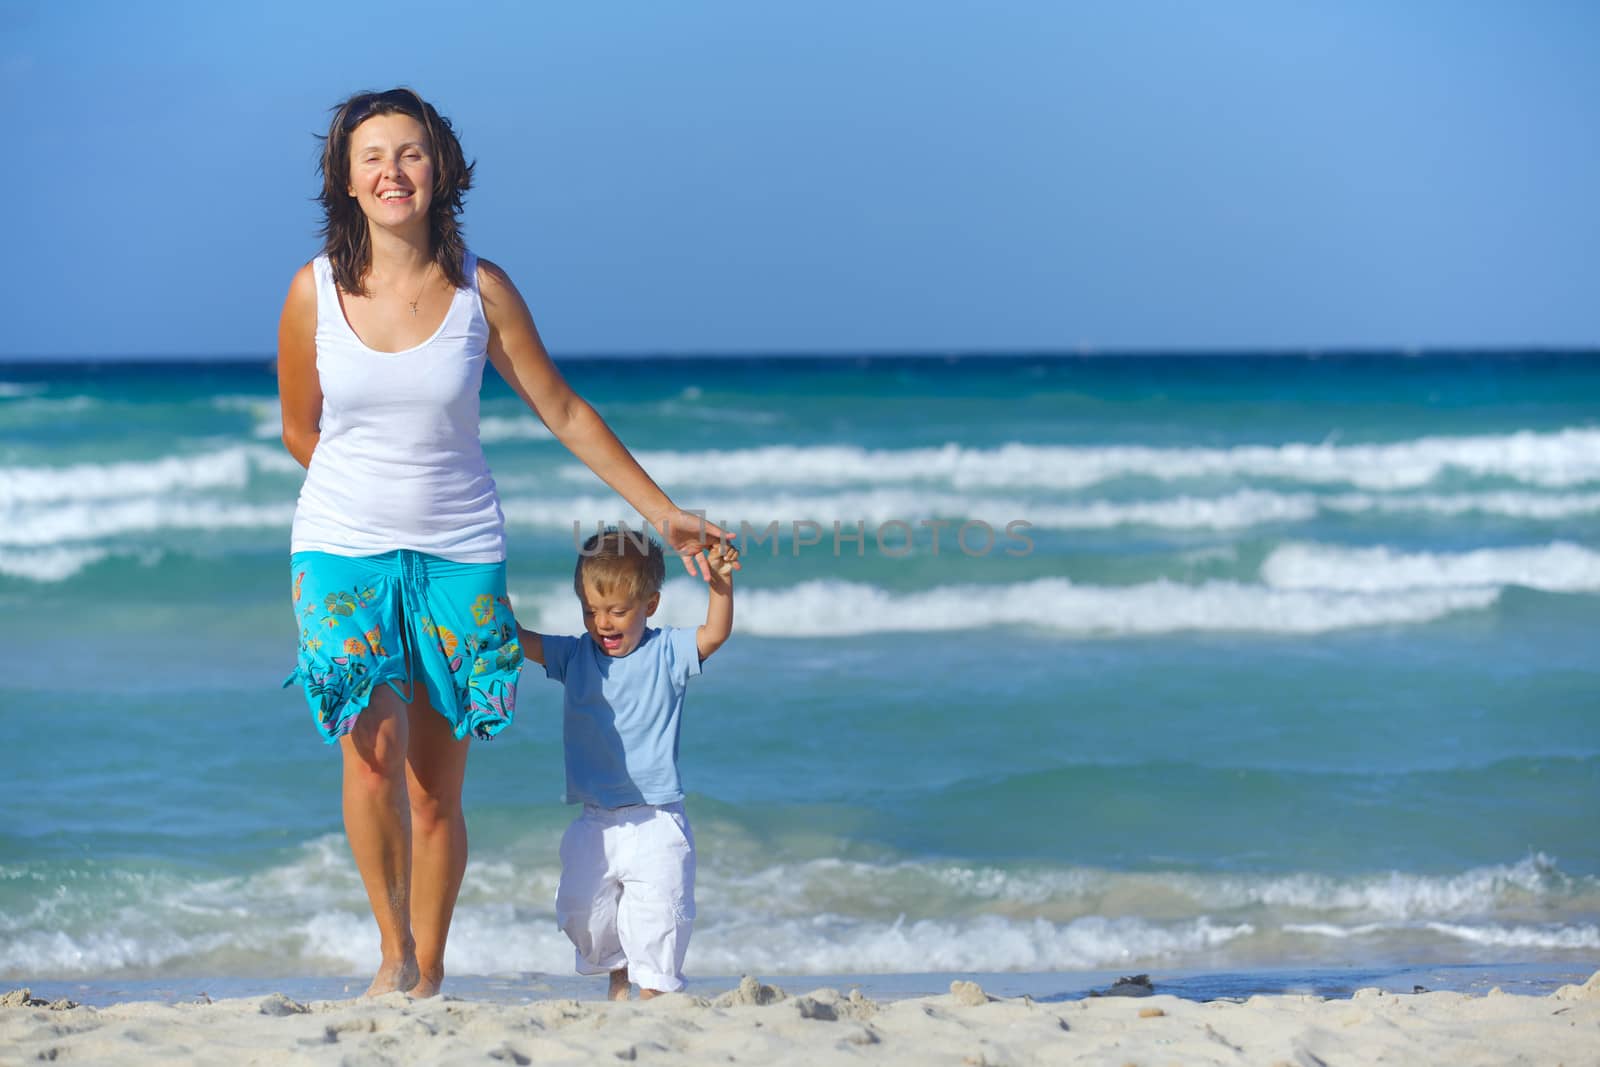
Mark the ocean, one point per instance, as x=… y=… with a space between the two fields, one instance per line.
x=1040 y=664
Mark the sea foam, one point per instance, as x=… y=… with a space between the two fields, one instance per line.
x=1557 y=568
x=90 y=522
x=308 y=915
x=832 y=608
x=1559 y=459
x=48 y=565
x=1237 y=510
x=227 y=468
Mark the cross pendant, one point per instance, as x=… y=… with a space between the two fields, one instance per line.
x=413 y=309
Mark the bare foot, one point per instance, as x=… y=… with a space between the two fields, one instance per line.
x=620 y=987
x=394 y=976
x=651 y=994
x=427 y=986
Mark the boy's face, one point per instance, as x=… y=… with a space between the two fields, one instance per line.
x=616 y=621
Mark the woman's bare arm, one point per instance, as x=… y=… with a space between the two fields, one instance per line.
x=299 y=388
x=519 y=355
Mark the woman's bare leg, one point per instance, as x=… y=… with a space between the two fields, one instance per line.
x=377 y=821
x=436 y=767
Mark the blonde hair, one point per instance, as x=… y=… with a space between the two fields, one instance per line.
x=621 y=560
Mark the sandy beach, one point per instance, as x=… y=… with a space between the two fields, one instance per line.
x=764 y=1024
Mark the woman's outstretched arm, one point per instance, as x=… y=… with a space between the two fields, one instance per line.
x=519 y=355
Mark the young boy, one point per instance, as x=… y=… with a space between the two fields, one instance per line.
x=627 y=862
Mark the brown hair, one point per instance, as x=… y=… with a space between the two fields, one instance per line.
x=620 y=559
x=345 y=237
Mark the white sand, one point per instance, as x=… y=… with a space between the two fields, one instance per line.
x=759 y=1025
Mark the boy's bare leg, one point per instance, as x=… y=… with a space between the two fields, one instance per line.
x=621 y=988
x=378 y=825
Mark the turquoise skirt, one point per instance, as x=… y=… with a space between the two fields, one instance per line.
x=367 y=621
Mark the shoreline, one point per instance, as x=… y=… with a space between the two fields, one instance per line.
x=758 y=1023
x=1195 y=984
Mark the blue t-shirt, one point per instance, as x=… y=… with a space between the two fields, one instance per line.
x=620 y=715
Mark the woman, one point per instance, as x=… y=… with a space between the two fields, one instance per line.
x=398 y=562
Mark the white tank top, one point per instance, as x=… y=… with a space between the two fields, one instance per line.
x=399 y=463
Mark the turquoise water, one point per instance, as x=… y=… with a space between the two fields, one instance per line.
x=1291 y=666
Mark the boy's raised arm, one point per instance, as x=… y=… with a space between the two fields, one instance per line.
x=532 y=645
x=724 y=560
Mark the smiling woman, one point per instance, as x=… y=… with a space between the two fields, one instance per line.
x=398 y=547
x=406 y=154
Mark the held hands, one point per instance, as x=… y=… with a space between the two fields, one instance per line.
x=724 y=560
x=720 y=559
x=691 y=536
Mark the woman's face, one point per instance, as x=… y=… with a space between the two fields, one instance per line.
x=391 y=170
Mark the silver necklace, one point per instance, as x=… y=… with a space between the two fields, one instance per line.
x=420 y=288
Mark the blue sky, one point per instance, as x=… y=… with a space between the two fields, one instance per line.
x=836 y=176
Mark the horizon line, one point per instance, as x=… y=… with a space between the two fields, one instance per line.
x=1073 y=352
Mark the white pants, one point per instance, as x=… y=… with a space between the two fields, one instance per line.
x=627 y=892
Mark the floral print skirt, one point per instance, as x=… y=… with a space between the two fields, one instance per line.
x=367 y=621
